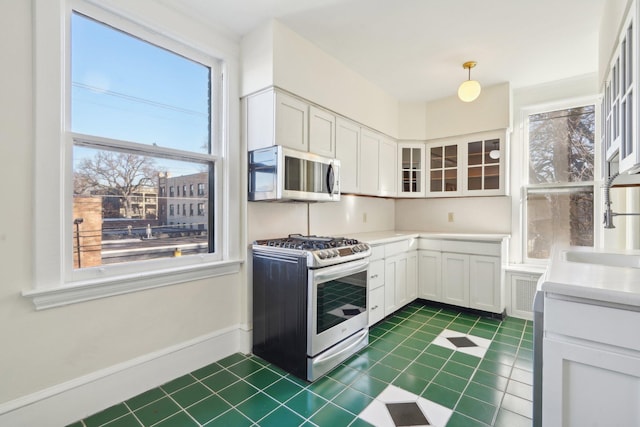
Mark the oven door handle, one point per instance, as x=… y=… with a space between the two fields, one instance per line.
x=329 y=354
x=340 y=270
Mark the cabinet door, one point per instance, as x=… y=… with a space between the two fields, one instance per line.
x=455 y=279
x=387 y=168
x=485 y=290
x=412 y=276
x=390 y=266
x=443 y=161
x=401 y=282
x=322 y=132
x=485 y=160
x=348 y=152
x=430 y=273
x=369 y=163
x=411 y=169
x=376 y=305
x=291 y=122
x=585 y=385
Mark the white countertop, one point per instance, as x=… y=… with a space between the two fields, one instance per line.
x=603 y=283
x=381 y=237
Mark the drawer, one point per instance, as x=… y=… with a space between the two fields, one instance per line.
x=376 y=274
x=474 y=248
x=595 y=323
x=377 y=252
x=376 y=305
x=429 y=244
x=391 y=249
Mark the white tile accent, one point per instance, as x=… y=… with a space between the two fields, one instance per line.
x=378 y=415
x=479 y=351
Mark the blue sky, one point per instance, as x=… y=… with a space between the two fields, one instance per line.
x=125 y=88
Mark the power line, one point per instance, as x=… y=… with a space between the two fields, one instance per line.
x=138 y=99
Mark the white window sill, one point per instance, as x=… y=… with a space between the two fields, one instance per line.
x=75 y=292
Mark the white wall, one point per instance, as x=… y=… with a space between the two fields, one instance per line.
x=305 y=70
x=50 y=347
x=470 y=215
x=449 y=116
x=353 y=214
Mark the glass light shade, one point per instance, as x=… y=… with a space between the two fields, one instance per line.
x=469 y=90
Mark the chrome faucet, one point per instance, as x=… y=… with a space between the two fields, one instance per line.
x=608 y=213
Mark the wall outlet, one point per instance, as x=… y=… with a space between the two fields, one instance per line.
x=450 y=217
x=364 y=217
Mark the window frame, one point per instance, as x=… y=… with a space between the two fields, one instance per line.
x=55 y=281
x=525 y=185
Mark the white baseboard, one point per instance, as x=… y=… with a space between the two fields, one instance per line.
x=73 y=400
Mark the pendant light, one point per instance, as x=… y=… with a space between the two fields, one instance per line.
x=470 y=89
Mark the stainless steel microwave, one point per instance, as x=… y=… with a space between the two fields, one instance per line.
x=280 y=174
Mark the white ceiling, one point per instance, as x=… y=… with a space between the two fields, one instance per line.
x=414 y=49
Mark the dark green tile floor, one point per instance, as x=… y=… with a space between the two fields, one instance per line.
x=243 y=390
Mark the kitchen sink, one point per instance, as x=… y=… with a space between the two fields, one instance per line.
x=610 y=259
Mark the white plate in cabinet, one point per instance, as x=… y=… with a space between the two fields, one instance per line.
x=376 y=305
x=376 y=274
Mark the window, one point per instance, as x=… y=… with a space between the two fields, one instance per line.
x=94 y=107
x=172 y=192
x=171 y=210
x=191 y=190
x=200 y=209
x=167 y=109
x=201 y=189
x=191 y=209
x=559 y=195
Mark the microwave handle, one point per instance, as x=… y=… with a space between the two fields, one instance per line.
x=330 y=178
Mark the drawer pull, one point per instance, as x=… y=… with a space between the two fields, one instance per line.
x=374 y=276
x=374 y=307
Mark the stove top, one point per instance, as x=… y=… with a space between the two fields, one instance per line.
x=320 y=251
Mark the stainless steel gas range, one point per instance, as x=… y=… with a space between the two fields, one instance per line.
x=309 y=302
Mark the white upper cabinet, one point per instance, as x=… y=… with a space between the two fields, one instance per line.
x=619 y=103
x=411 y=169
x=443 y=160
x=322 y=132
x=472 y=165
x=369 y=162
x=348 y=152
x=387 y=168
x=272 y=118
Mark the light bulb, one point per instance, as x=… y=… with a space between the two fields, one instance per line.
x=469 y=91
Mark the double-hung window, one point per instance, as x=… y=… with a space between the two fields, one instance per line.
x=559 y=195
x=123 y=113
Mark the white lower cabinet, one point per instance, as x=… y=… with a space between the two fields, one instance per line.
x=484 y=274
x=591 y=364
x=455 y=279
x=463 y=273
x=393 y=278
x=430 y=274
x=376 y=305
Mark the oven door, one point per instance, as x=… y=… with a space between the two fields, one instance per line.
x=337 y=304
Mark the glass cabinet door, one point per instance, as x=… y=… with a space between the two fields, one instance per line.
x=443 y=177
x=411 y=169
x=483 y=165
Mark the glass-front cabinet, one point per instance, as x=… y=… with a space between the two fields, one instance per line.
x=470 y=165
x=444 y=169
x=411 y=156
x=619 y=138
